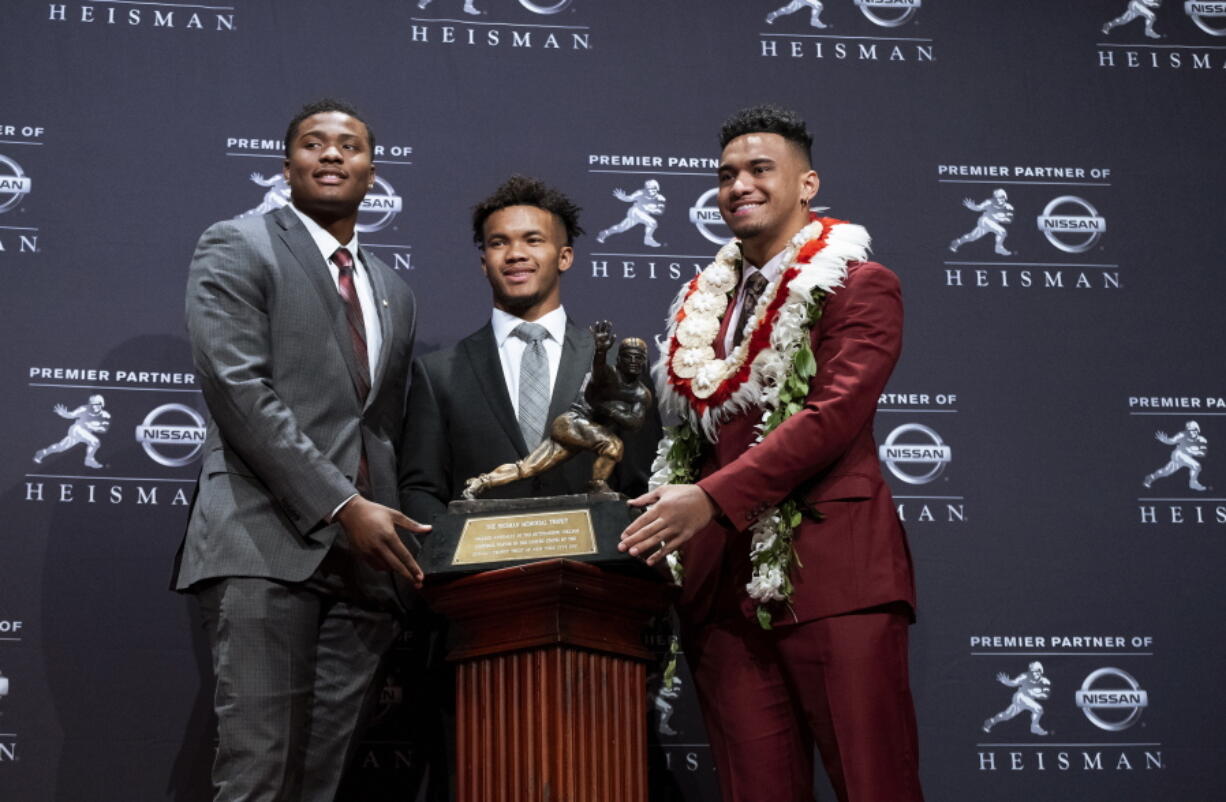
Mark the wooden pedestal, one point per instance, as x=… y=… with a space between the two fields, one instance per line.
x=551 y=688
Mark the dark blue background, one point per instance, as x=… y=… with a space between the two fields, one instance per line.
x=109 y=682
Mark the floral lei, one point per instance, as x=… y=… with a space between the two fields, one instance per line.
x=770 y=370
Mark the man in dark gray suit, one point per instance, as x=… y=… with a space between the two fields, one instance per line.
x=466 y=402
x=302 y=340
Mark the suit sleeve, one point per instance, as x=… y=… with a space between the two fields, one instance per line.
x=425 y=456
x=860 y=340
x=231 y=334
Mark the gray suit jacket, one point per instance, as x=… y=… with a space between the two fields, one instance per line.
x=286 y=429
x=463 y=424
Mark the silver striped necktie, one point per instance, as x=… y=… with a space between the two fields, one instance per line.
x=533 y=383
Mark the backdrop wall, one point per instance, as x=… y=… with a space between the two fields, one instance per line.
x=1019 y=425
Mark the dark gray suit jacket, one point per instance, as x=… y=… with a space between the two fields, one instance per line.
x=462 y=423
x=286 y=429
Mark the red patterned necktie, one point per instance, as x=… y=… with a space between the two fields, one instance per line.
x=357 y=334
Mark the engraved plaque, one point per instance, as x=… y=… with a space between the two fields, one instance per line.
x=530 y=536
x=485 y=534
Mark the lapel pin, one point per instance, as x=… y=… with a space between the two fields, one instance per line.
x=384 y=303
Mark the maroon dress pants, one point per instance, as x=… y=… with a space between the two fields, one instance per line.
x=840 y=683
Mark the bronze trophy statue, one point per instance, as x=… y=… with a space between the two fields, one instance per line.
x=612 y=400
x=535 y=587
x=478 y=534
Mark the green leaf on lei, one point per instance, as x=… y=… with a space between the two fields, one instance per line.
x=795 y=387
x=684 y=453
x=805 y=363
x=670 y=669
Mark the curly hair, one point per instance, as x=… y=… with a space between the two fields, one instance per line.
x=519 y=190
x=768 y=119
x=322 y=106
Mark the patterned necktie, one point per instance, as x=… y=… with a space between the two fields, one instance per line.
x=755 y=283
x=353 y=315
x=357 y=334
x=533 y=383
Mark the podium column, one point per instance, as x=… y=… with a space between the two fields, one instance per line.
x=551 y=682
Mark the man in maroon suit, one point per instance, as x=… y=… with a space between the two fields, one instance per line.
x=797 y=585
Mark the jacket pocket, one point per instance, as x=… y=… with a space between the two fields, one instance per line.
x=844 y=487
x=221 y=461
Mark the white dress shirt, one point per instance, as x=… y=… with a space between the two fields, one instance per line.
x=771 y=271
x=327 y=245
x=511 y=348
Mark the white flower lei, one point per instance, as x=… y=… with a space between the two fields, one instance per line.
x=701 y=306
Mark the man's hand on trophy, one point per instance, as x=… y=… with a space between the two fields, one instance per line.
x=674 y=514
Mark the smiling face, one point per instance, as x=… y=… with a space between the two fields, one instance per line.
x=524 y=253
x=765 y=186
x=330 y=167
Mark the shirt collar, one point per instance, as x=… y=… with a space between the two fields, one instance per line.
x=770 y=271
x=326 y=243
x=504 y=323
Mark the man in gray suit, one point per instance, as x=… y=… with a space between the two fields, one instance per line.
x=467 y=402
x=302 y=340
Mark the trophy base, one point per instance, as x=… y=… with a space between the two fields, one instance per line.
x=484 y=534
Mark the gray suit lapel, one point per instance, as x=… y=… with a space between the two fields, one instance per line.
x=577 y=351
x=295 y=236
x=482 y=354
x=378 y=286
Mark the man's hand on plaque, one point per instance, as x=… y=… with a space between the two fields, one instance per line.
x=674 y=514
x=371 y=529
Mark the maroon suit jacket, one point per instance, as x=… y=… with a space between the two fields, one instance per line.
x=856 y=556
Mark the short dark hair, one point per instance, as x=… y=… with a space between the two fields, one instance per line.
x=768 y=119
x=321 y=106
x=520 y=190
